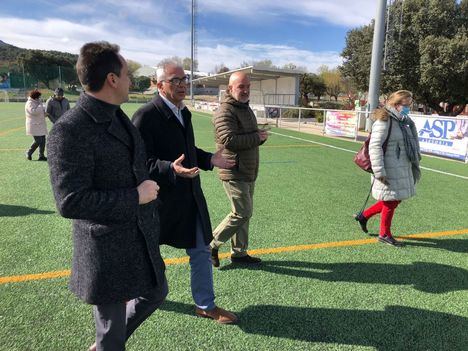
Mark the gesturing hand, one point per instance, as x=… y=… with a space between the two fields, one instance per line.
x=263 y=135
x=183 y=172
x=218 y=160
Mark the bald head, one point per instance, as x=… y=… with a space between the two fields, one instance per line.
x=239 y=86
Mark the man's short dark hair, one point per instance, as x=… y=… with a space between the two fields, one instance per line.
x=95 y=62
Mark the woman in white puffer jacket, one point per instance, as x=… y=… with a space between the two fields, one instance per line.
x=396 y=170
x=36 y=124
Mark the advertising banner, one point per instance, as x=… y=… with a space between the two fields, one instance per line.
x=444 y=136
x=341 y=123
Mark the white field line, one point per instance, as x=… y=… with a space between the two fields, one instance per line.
x=353 y=151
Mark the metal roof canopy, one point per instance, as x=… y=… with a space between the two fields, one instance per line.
x=256 y=74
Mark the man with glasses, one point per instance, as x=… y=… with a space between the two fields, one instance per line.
x=175 y=162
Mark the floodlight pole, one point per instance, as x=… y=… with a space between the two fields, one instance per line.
x=376 y=63
x=191 y=54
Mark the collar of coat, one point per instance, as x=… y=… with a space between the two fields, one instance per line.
x=99 y=110
x=159 y=103
x=229 y=99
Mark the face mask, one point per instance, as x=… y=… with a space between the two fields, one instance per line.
x=405 y=110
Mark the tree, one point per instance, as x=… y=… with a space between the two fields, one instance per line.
x=175 y=59
x=221 y=68
x=357 y=56
x=187 y=64
x=292 y=66
x=133 y=66
x=426 y=52
x=43 y=66
x=333 y=81
x=263 y=64
x=141 y=83
x=311 y=84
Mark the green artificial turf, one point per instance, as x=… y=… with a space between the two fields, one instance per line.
x=366 y=297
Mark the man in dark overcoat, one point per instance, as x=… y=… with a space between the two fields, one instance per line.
x=174 y=162
x=100 y=180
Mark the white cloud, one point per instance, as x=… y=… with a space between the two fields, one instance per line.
x=280 y=55
x=341 y=12
x=62 y=35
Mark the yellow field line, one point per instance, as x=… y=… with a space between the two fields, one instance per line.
x=185 y=259
x=11 y=131
x=12 y=149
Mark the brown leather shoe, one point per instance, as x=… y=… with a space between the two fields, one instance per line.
x=218 y=314
x=92 y=347
x=245 y=259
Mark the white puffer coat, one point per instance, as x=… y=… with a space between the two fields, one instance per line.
x=395 y=165
x=35 y=118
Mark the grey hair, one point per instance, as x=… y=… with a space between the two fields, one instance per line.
x=161 y=71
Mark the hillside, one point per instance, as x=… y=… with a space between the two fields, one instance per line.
x=10 y=54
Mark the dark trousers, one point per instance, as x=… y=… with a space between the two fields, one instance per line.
x=116 y=322
x=39 y=141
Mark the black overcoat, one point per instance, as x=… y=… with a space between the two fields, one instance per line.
x=96 y=161
x=182 y=198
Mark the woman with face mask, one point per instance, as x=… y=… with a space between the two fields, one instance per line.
x=396 y=170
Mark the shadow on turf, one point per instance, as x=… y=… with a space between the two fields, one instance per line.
x=395 y=328
x=16 y=211
x=423 y=276
x=454 y=245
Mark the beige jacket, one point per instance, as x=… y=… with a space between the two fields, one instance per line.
x=35 y=118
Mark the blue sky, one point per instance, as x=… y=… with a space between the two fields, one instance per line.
x=307 y=33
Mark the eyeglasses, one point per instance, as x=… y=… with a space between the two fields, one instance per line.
x=179 y=81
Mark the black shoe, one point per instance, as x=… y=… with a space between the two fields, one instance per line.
x=390 y=240
x=246 y=259
x=214 y=257
x=28 y=156
x=362 y=221
x=42 y=158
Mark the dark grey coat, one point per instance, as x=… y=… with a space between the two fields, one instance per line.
x=56 y=108
x=182 y=198
x=96 y=162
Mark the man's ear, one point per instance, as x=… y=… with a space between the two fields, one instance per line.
x=111 y=79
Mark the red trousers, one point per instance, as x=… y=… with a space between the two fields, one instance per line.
x=386 y=210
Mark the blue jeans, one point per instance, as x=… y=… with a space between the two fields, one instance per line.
x=201 y=271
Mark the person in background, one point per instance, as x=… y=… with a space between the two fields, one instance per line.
x=237 y=135
x=56 y=105
x=395 y=172
x=100 y=180
x=36 y=124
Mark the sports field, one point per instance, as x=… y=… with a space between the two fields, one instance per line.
x=323 y=284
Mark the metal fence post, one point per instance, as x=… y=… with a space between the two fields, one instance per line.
x=324 y=121
x=299 y=121
x=358 y=123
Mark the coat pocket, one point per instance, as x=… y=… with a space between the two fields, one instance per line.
x=99 y=230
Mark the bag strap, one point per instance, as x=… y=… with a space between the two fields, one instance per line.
x=368 y=195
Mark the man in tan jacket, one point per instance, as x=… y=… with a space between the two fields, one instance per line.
x=237 y=132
